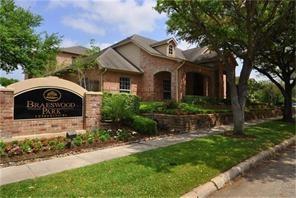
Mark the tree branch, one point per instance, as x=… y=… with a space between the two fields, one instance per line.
x=270 y=78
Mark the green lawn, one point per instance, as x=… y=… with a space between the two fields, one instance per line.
x=164 y=172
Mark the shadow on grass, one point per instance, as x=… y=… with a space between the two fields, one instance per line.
x=216 y=152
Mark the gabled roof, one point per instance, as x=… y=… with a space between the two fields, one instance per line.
x=200 y=55
x=110 y=59
x=165 y=41
x=79 y=50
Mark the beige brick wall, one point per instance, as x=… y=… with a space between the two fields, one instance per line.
x=111 y=81
x=151 y=66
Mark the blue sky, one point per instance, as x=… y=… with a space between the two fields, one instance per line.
x=106 y=21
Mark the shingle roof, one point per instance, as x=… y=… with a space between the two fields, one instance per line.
x=163 y=42
x=110 y=59
x=79 y=50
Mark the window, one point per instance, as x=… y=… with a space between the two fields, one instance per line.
x=73 y=59
x=171 y=50
x=125 y=85
x=92 y=85
x=167 y=89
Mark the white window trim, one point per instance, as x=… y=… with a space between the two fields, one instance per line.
x=125 y=90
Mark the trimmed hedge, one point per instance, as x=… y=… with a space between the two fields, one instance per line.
x=203 y=100
x=144 y=125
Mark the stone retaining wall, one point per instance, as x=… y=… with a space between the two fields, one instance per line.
x=187 y=123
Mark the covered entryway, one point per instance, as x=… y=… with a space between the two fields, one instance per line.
x=195 y=84
x=162 y=86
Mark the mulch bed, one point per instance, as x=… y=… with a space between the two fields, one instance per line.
x=6 y=161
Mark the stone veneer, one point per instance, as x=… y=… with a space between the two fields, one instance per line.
x=187 y=123
x=25 y=127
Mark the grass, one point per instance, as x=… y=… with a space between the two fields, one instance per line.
x=164 y=172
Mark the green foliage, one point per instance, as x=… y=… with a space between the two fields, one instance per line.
x=26 y=146
x=21 y=45
x=7 y=81
x=90 y=138
x=144 y=125
x=118 y=107
x=122 y=135
x=170 y=104
x=204 y=100
x=86 y=62
x=193 y=105
x=264 y=92
x=36 y=145
x=150 y=107
x=77 y=141
x=56 y=144
x=2 y=147
x=104 y=135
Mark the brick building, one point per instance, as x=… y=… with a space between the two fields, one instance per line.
x=153 y=70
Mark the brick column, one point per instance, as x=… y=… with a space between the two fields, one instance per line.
x=92 y=110
x=6 y=112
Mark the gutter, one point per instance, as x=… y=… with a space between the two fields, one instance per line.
x=177 y=81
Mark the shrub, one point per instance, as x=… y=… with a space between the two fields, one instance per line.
x=122 y=135
x=117 y=107
x=104 y=135
x=90 y=138
x=60 y=146
x=26 y=146
x=77 y=141
x=204 y=100
x=144 y=125
x=36 y=145
x=2 y=148
x=170 y=104
x=150 y=107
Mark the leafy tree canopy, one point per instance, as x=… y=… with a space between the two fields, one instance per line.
x=238 y=27
x=21 y=45
x=7 y=81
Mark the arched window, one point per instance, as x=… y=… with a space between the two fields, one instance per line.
x=171 y=50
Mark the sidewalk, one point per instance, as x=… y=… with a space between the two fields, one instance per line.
x=41 y=168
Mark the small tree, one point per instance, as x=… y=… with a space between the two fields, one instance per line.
x=239 y=28
x=20 y=44
x=86 y=62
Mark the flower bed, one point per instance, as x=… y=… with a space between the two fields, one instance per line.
x=39 y=148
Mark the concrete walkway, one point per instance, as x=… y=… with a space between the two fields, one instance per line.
x=272 y=178
x=36 y=169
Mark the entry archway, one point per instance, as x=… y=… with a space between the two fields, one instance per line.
x=162 y=86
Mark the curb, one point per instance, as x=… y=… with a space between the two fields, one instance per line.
x=219 y=182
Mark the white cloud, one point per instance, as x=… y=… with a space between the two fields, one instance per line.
x=128 y=16
x=68 y=42
x=185 y=45
x=83 y=25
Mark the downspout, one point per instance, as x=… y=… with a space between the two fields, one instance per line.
x=105 y=70
x=177 y=82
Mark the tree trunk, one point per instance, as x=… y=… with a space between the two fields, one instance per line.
x=237 y=105
x=238 y=119
x=287 y=114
